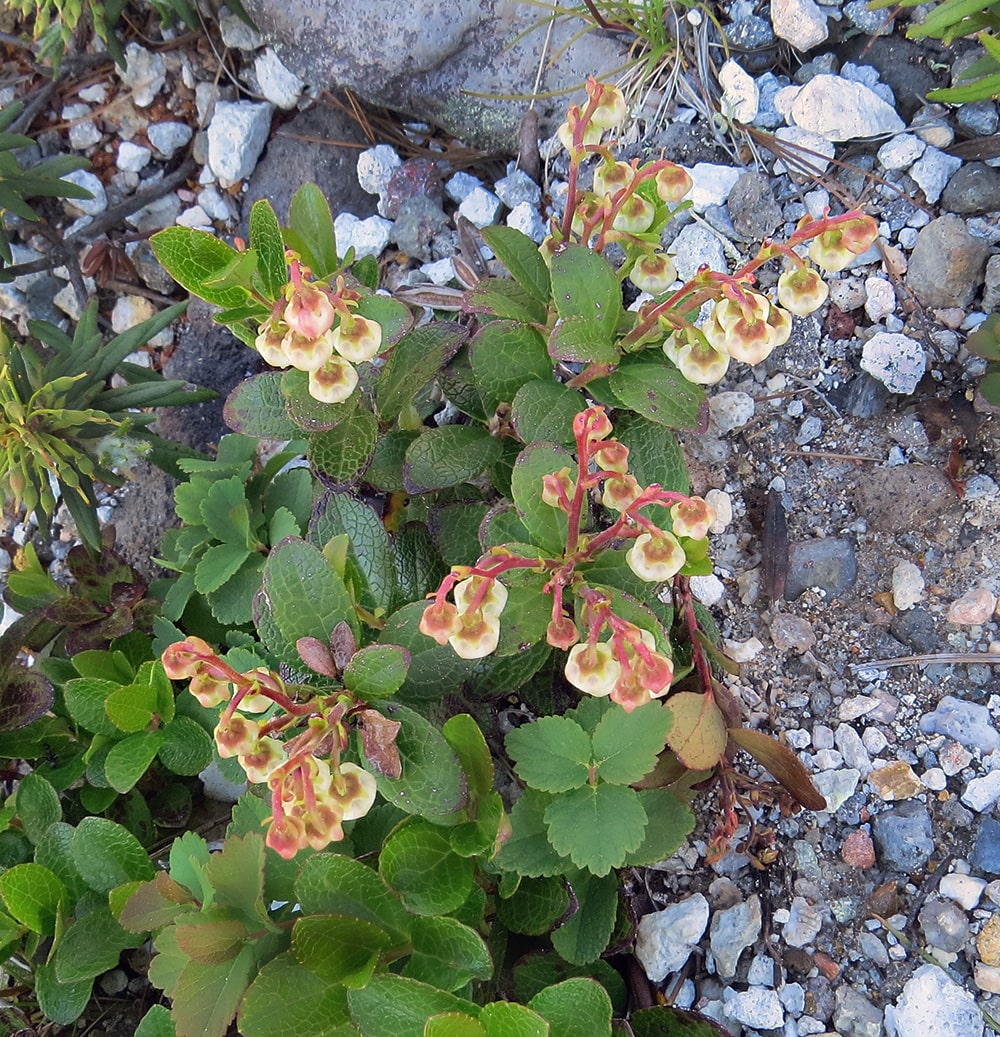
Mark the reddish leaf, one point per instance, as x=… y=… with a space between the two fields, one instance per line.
x=211 y=941
x=782 y=763
x=343 y=644
x=316 y=656
x=378 y=739
x=698 y=734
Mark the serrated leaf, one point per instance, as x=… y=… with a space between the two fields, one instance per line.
x=447 y=456
x=783 y=764
x=670 y=823
x=194 y=259
x=156 y=1023
x=575 y=1008
x=256 y=407
x=155 y=904
x=536 y=906
x=376 y=671
x=32 y=895
x=128 y=760
x=331 y=884
x=414 y=361
x=520 y=255
x=418 y=863
x=312 y=234
x=38 y=806
x=553 y=754
x=626 y=745
x=596 y=826
x=287 y=998
x=528 y=851
x=206 y=997
x=447 y=954
x=265 y=240
x=544 y=412
x=186 y=747
x=394 y=1006
x=547 y=526
x=657 y=390
x=504 y=356
x=584 y=936
x=219 y=564
x=92 y=945
x=237 y=875
x=698 y=734
x=341 y=454
x=108 y=855
x=225 y=511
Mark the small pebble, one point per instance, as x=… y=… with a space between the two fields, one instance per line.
x=858 y=850
x=896 y=781
x=973 y=608
x=988 y=941
x=791 y=633
x=965 y=890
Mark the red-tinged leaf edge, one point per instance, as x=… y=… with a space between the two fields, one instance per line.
x=782 y=763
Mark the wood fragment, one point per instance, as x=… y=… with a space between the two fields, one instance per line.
x=774 y=547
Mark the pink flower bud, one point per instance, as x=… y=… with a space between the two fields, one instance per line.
x=440 y=621
x=309 y=311
x=562 y=633
x=692 y=518
x=802 y=291
x=322 y=825
x=558 y=489
x=655 y=559
x=357 y=339
x=858 y=234
x=592 y=423
x=334 y=382
x=286 y=835
x=184 y=659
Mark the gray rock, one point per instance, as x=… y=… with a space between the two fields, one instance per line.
x=869 y=77
x=915 y=629
x=792 y=633
x=831 y=565
x=280 y=86
x=904 y=498
x=985 y=853
x=901 y=152
x=733 y=930
x=236 y=137
x=695 y=245
x=132 y=157
x=768 y=117
x=945 y=925
x=481 y=208
x=947 y=264
x=853 y=749
x=854 y=1015
x=144 y=74
x=933 y=170
x=445 y=63
x=168 y=137
x=420 y=220
x=757 y=1007
x=902 y=836
x=84 y=132
x=968 y=723
x=711 y=184
x=804 y=923
x=730 y=410
x=973 y=190
x=812 y=158
x=872 y=23
x=236 y=33
x=838 y=109
x=934 y=1005
x=902 y=64
x=516 y=188
x=665 y=939
x=752 y=208
x=897 y=361
x=801 y=22
x=978 y=117
x=749 y=33
x=87 y=206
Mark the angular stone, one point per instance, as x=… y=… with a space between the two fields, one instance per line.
x=896 y=360
x=236 y=137
x=933 y=1005
x=965 y=890
x=801 y=22
x=854 y=1015
x=838 y=109
x=988 y=941
x=666 y=938
x=858 y=850
x=947 y=264
x=733 y=930
x=903 y=836
x=804 y=923
x=966 y=722
x=757 y=1007
x=896 y=781
x=904 y=498
x=828 y=564
x=907 y=585
x=974 y=607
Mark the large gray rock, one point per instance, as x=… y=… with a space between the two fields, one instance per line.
x=442 y=60
x=947 y=263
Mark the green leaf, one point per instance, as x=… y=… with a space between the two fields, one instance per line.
x=60 y=1002
x=463 y=734
x=575 y=1008
x=339 y=949
x=539 y=970
x=657 y=390
x=626 y=745
x=287 y=998
x=265 y=240
x=419 y=566
x=394 y=1006
x=311 y=230
x=655 y=455
x=85 y=699
x=667 y=1021
x=92 y=945
x=156 y=1023
x=506 y=299
x=585 y=285
x=698 y=734
x=418 y=863
x=447 y=954
x=128 y=760
x=341 y=454
x=580 y=340
x=304 y=597
x=256 y=407
x=206 y=997
x=194 y=258
x=434 y=669
x=455 y=528
x=509 y=1019
x=453 y=1024
x=547 y=526
x=308 y=413
x=528 y=851
x=670 y=823
x=131 y=707
x=527 y=613
x=32 y=895
x=108 y=855
x=386 y=469
x=585 y=935
x=219 y=564
x=38 y=806
x=553 y=754
x=520 y=255
x=53 y=851
x=536 y=906
x=225 y=511
x=186 y=747
x=331 y=884
x=596 y=826
x=447 y=456
x=504 y=356
x=990 y=387
x=417 y=357
x=376 y=671
x=479 y=837
x=237 y=875
x=544 y=412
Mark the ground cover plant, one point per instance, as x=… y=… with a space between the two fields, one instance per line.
x=345 y=618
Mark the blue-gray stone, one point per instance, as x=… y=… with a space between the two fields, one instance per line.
x=902 y=836
x=828 y=564
x=986 y=851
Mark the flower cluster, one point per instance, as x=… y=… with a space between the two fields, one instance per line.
x=628 y=665
x=315 y=328
x=312 y=791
